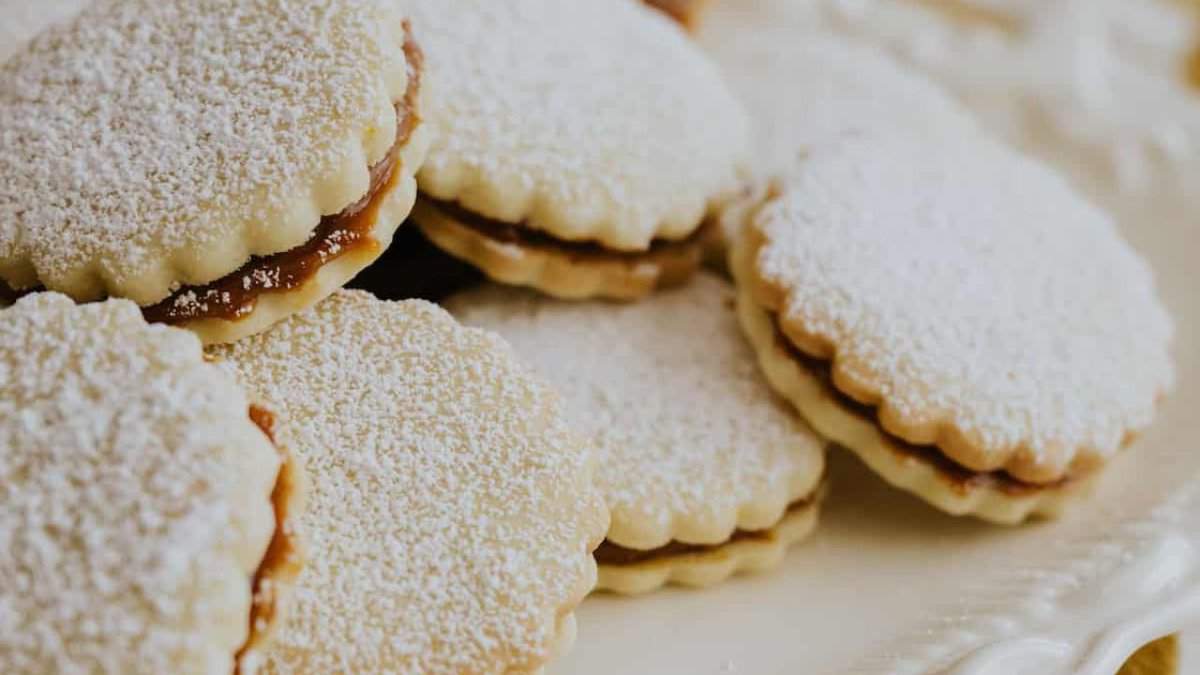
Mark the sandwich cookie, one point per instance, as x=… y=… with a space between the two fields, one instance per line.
x=145 y=510
x=578 y=145
x=706 y=472
x=452 y=513
x=956 y=315
x=222 y=163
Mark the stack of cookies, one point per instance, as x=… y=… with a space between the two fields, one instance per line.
x=216 y=459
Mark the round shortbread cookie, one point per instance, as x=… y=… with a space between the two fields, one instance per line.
x=591 y=122
x=452 y=514
x=967 y=295
x=154 y=144
x=21 y=20
x=136 y=496
x=692 y=444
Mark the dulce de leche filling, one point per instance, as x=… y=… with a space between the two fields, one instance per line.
x=236 y=295
x=282 y=561
x=577 y=251
x=614 y=555
x=957 y=476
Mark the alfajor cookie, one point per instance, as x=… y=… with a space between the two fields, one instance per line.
x=452 y=513
x=145 y=511
x=578 y=145
x=706 y=471
x=958 y=316
x=222 y=163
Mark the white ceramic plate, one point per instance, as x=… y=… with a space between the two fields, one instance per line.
x=888 y=585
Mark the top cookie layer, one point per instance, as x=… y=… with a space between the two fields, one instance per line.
x=135 y=495
x=450 y=509
x=692 y=444
x=149 y=143
x=970 y=294
x=801 y=91
x=589 y=121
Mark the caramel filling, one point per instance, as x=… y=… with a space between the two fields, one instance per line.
x=282 y=561
x=959 y=477
x=577 y=251
x=614 y=555
x=236 y=295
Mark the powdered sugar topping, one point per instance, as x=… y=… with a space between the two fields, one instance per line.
x=149 y=143
x=134 y=495
x=965 y=285
x=20 y=20
x=691 y=442
x=591 y=121
x=450 y=511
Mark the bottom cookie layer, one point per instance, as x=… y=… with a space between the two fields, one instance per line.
x=516 y=256
x=631 y=572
